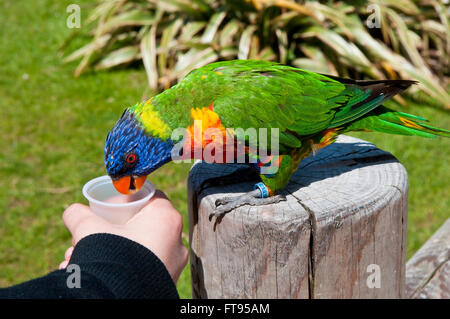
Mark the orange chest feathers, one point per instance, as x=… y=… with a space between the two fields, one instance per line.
x=207 y=136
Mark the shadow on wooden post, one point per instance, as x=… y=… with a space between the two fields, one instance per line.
x=341 y=233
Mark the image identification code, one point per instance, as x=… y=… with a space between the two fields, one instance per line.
x=228 y=308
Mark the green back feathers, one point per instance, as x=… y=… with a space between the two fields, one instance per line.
x=261 y=94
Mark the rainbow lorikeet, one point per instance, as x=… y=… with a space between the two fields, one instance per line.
x=308 y=109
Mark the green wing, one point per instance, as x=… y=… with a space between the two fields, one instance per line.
x=300 y=103
x=261 y=94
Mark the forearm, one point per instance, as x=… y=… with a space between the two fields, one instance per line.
x=107 y=266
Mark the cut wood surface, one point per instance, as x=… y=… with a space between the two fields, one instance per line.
x=428 y=271
x=341 y=233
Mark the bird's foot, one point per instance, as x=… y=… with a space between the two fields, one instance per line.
x=256 y=197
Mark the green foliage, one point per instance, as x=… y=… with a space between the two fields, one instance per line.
x=172 y=37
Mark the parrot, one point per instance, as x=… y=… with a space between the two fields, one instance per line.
x=302 y=110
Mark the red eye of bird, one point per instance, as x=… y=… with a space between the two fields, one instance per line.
x=131 y=158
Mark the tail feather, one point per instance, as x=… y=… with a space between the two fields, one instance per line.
x=374 y=94
x=386 y=120
x=363 y=110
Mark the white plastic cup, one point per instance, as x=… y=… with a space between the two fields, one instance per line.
x=99 y=190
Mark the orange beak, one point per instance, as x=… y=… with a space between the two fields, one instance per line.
x=129 y=184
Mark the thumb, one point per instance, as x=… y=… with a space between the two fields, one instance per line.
x=80 y=221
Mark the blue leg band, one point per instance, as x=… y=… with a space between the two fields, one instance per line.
x=263 y=189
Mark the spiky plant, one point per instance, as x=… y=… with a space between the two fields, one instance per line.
x=378 y=39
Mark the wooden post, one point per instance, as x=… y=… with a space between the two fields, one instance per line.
x=341 y=233
x=428 y=271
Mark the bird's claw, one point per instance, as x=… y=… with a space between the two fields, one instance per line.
x=227 y=204
x=224 y=201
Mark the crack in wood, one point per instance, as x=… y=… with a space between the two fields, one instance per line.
x=426 y=271
x=429 y=278
x=312 y=225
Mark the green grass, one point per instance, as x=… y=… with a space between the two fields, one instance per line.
x=53 y=128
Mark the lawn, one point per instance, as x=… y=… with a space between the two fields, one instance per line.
x=53 y=128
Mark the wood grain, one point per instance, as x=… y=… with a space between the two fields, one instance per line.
x=428 y=271
x=346 y=209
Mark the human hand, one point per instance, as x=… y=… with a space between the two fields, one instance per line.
x=157 y=226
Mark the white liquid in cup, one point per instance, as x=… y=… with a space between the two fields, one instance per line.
x=107 y=202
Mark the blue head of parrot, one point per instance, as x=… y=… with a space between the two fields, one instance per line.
x=131 y=154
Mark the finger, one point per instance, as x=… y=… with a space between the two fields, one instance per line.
x=63 y=265
x=159 y=194
x=158 y=203
x=80 y=220
x=75 y=214
x=68 y=253
x=159 y=200
x=159 y=210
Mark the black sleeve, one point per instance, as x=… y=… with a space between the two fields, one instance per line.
x=109 y=266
